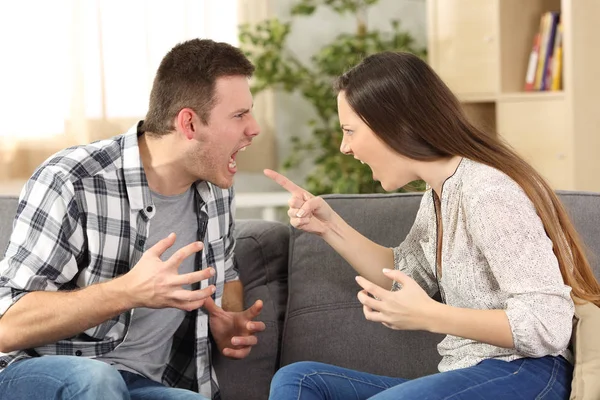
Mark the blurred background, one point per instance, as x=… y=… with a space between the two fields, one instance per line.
x=76 y=71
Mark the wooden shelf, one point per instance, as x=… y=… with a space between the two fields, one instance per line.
x=481 y=50
x=531 y=96
x=474 y=98
x=477 y=97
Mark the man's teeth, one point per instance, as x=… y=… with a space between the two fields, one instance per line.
x=232 y=163
x=243 y=148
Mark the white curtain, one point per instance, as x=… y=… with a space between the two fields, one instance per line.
x=74 y=71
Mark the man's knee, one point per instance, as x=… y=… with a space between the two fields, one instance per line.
x=62 y=375
x=99 y=371
x=95 y=378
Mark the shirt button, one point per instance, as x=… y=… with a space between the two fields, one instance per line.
x=78 y=353
x=3 y=364
x=149 y=209
x=141 y=242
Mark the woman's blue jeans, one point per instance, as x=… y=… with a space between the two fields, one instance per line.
x=69 y=377
x=527 y=378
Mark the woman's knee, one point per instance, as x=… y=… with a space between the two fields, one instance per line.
x=297 y=375
x=291 y=380
x=297 y=371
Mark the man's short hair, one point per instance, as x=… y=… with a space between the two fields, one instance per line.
x=186 y=78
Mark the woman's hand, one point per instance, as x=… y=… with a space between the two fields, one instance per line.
x=409 y=308
x=306 y=212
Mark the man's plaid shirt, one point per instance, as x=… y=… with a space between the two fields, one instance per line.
x=82 y=219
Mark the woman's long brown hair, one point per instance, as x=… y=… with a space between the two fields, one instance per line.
x=410 y=108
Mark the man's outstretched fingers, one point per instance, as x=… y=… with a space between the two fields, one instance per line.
x=162 y=245
x=255 y=309
x=255 y=326
x=188 y=296
x=177 y=258
x=190 y=305
x=236 y=353
x=244 y=340
x=193 y=277
x=202 y=294
x=211 y=306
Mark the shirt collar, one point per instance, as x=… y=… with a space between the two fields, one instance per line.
x=138 y=192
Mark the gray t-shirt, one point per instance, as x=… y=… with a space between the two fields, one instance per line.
x=147 y=345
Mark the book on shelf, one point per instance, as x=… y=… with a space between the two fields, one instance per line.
x=544 y=70
x=557 y=61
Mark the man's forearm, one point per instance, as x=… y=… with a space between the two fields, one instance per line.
x=40 y=317
x=233 y=296
x=486 y=326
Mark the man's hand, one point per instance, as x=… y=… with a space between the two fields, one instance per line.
x=234 y=331
x=34 y=320
x=154 y=283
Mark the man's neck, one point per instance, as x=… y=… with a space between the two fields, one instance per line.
x=164 y=172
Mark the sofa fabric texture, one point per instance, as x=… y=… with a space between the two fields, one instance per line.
x=309 y=292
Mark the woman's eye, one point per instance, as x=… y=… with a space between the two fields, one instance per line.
x=348 y=132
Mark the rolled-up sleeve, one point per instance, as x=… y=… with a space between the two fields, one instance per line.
x=509 y=233
x=41 y=253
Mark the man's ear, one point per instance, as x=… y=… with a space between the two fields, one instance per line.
x=187 y=123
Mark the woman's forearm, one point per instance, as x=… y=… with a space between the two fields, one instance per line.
x=487 y=326
x=365 y=256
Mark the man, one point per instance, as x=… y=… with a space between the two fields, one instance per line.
x=121 y=254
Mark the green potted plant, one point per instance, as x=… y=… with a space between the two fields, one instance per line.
x=279 y=69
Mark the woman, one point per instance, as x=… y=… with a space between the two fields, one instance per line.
x=490 y=236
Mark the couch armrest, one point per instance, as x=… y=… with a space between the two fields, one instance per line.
x=261 y=256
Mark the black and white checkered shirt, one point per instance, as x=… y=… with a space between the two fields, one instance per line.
x=82 y=219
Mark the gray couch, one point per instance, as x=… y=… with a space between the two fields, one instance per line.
x=311 y=310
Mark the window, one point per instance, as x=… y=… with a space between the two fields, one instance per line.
x=72 y=61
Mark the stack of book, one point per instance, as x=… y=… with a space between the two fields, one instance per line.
x=544 y=71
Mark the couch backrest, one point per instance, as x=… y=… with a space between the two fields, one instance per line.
x=324 y=320
x=584 y=210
